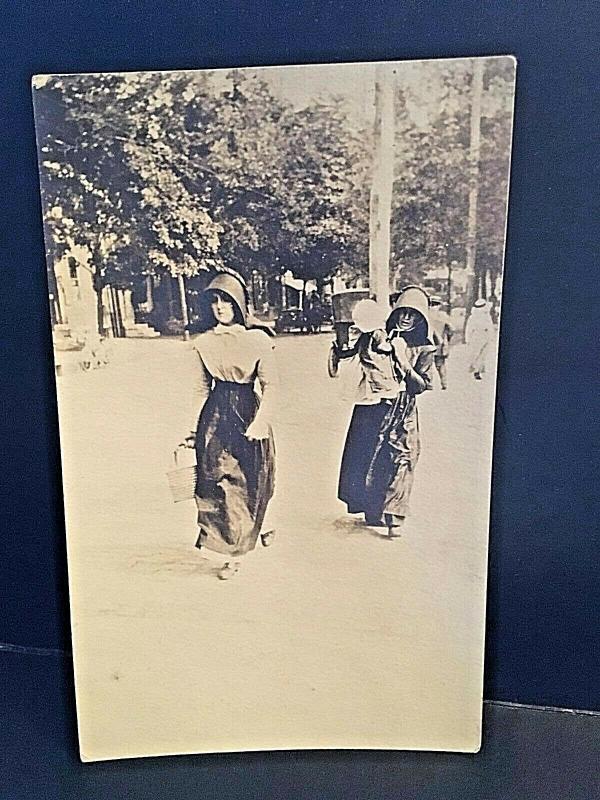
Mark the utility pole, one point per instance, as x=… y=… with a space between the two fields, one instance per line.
x=381 y=187
x=474 y=151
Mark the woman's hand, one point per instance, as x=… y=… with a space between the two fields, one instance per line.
x=257 y=430
x=401 y=355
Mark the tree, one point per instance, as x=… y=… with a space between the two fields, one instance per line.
x=108 y=142
x=431 y=198
x=80 y=211
x=474 y=156
x=328 y=203
x=242 y=159
x=496 y=126
x=428 y=224
x=191 y=172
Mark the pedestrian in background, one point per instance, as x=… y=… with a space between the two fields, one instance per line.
x=442 y=333
x=313 y=312
x=232 y=432
x=391 y=472
x=479 y=332
x=376 y=390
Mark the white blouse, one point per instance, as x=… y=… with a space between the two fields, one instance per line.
x=234 y=353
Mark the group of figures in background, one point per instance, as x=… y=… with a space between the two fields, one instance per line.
x=235 y=399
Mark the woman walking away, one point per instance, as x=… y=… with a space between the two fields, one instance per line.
x=479 y=332
x=391 y=471
x=233 y=437
x=442 y=332
x=376 y=390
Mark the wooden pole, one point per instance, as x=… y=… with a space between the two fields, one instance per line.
x=474 y=152
x=381 y=187
x=184 y=309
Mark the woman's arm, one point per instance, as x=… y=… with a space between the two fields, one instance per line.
x=266 y=374
x=348 y=352
x=418 y=378
x=200 y=389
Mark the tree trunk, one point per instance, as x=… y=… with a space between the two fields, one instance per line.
x=381 y=188
x=98 y=284
x=149 y=294
x=115 y=313
x=184 y=309
x=100 y=312
x=474 y=151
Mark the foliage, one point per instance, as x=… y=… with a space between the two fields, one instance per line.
x=185 y=172
x=111 y=147
x=172 y=172
x=328 y=221
x=431 y=197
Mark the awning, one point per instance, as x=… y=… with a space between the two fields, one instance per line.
x=298 y=285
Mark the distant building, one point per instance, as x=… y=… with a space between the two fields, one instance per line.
x=76 y=311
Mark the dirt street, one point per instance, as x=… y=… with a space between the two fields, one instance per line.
x=334 y=636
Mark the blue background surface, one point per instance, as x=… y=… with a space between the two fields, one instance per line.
x=544 y=596
x=528 y=754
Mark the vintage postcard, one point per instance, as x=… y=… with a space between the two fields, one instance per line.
x=275 y=296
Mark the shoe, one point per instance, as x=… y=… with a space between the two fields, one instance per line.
x=267 y=538
x=395 y=530
x=373 y=522
x=228 y=570
x=477 y=376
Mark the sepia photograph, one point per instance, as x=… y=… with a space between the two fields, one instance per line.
x=275 y=298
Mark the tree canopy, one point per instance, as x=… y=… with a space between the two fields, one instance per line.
x=430 y=207
x=185 y=172
x=158 y=172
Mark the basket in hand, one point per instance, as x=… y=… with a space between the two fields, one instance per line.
x=182 y=478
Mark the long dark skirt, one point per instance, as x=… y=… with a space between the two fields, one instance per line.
x=391 y=472
x=361 y=441
x=235 y=476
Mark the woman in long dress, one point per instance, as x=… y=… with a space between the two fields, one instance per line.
x=376 y=389
x=391 y=471
x=479 y=333
x=235 y=451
